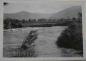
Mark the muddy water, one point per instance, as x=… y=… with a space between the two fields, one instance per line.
x=45 y=44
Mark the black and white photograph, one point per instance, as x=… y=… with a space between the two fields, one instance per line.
x=42 y=28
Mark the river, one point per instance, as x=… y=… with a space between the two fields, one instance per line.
x=44 y=45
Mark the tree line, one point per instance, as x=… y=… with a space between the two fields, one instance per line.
x=16 y=23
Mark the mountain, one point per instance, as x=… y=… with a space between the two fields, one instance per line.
x=67 y=13
x=26 y=15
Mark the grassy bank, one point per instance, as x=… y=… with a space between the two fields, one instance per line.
x=71 y=37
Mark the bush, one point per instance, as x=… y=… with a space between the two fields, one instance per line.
x=71 y=37
x=12 y=23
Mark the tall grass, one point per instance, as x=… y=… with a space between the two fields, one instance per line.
x=18 y=52
x=26 y=49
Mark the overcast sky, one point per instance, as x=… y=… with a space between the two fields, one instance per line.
x=37 y=6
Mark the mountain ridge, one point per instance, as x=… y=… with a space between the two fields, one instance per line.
x=66 y=13
x=26 y=15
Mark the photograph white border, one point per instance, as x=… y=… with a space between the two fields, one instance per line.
x=44 y=58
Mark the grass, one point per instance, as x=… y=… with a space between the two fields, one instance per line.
x=21 y=51
x=17 y=52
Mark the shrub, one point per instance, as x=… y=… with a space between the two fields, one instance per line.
x=71 y=37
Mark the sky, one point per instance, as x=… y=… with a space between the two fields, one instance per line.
x=37 y=6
